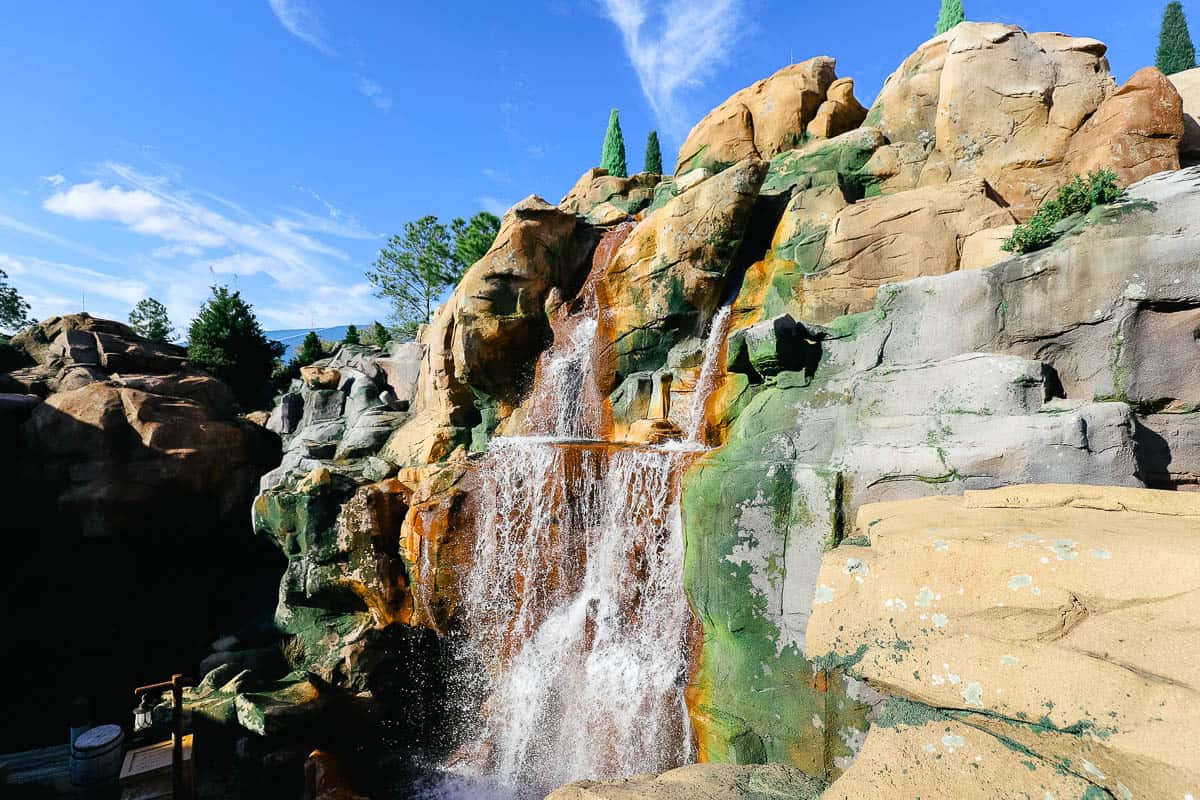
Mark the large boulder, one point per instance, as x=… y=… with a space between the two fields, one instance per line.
x=1041 y=628
x=1136 y=132
x=603 y=199
x=1032 y=370
x=483 y=341
x=991 y=101
x=1187 y=83
x=771 y=116
x=664 y=282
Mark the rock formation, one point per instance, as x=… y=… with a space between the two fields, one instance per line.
x=1037 y=633
x=126 y=489
x=818 y=306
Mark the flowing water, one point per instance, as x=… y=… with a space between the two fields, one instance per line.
x=568 y=373
x=576 y=598
x=713 y=348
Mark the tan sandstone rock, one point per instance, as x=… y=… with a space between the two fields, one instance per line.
x=491 y=328
x=894 y=238
x=1187 y=83
x=985 y=248
x=1135 y=132
x=841 y=111
x=671 y=269
x=1055 y=618
x=320 y=377
x=761 y=120
x=604 y=199
x=990 y=101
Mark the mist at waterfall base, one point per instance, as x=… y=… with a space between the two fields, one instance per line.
x=576 y=620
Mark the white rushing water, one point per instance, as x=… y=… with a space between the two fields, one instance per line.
x=576 y=602
x=568 y=375
x=706 y=382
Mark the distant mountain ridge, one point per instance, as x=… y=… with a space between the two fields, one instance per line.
x=293 y=337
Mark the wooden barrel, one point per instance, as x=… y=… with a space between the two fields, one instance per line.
x=96 y=761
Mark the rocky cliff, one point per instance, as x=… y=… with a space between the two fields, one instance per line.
x=127 y=479
x=813 y=316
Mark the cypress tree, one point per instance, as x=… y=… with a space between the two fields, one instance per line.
x=1175 y=49
x=351 y=336
x=653 y=154
x=379 y=335
x=950 y=15
x=612 y=158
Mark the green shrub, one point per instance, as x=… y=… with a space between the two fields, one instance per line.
x=1079 y=196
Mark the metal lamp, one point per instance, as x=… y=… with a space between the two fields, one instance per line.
x=143 y=714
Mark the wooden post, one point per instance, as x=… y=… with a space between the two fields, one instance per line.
x=176 y=685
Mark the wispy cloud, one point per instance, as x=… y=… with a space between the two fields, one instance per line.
x=494 y=205
x=499 y=176
x=156 y=207
x=16 y=225
x=54 y=180
x=55 y=280
x=675 y=49
x=373 y=92
x=303 y=20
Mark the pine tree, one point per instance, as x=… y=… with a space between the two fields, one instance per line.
x=14 y=311
x=226 y=340
x=473 y=238
x=1176 y=52
x=379 y=335
x=612 y=159
x=950 y=15
x=149 y=319
x=414 y=270
x=653 y=154
x=310 y=350
x=351 y=336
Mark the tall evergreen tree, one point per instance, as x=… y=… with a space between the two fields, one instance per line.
x=14 y=311
x=414 y=270
x=653 y=154
x=149 y=318
x=310 y=350
x=473 y=238
x=1176 y=52
x=226 y=340
x=950 y=15
x=379 y=335
x=612 y=159
x=351 y=336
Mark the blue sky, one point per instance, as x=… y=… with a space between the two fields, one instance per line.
x=152 y=148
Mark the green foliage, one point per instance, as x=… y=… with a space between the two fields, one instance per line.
x=14 y=311
x=473 y=238
x=226 y=340
x=653 y=155
x=1176 y=52
x=379 y=335
x=149 y=319
x=351 y=336
x=310 y=350
x=1079 y=196
x=950 y=15
x=412 y=270
x=612 y=158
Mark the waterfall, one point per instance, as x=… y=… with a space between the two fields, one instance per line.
x=568 y=376
x=706 y=382
x=576 y=600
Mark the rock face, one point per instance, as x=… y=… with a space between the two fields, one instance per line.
x=1018 y=373
x=709 y=781
x=1030 y=629
x=822 y=312
x=991 y=101
x=125 y=487
x=1187 y=83
x=771 y=116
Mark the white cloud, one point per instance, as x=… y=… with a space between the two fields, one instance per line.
x=13 y=224
x=494 y=205
x=54 y=180
x=496 y=175
x=326 y=306
x=676 y=49
x=139 y=210
x=303 y=20
x=46 y=284
x=154 y=206
x=373 y=92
